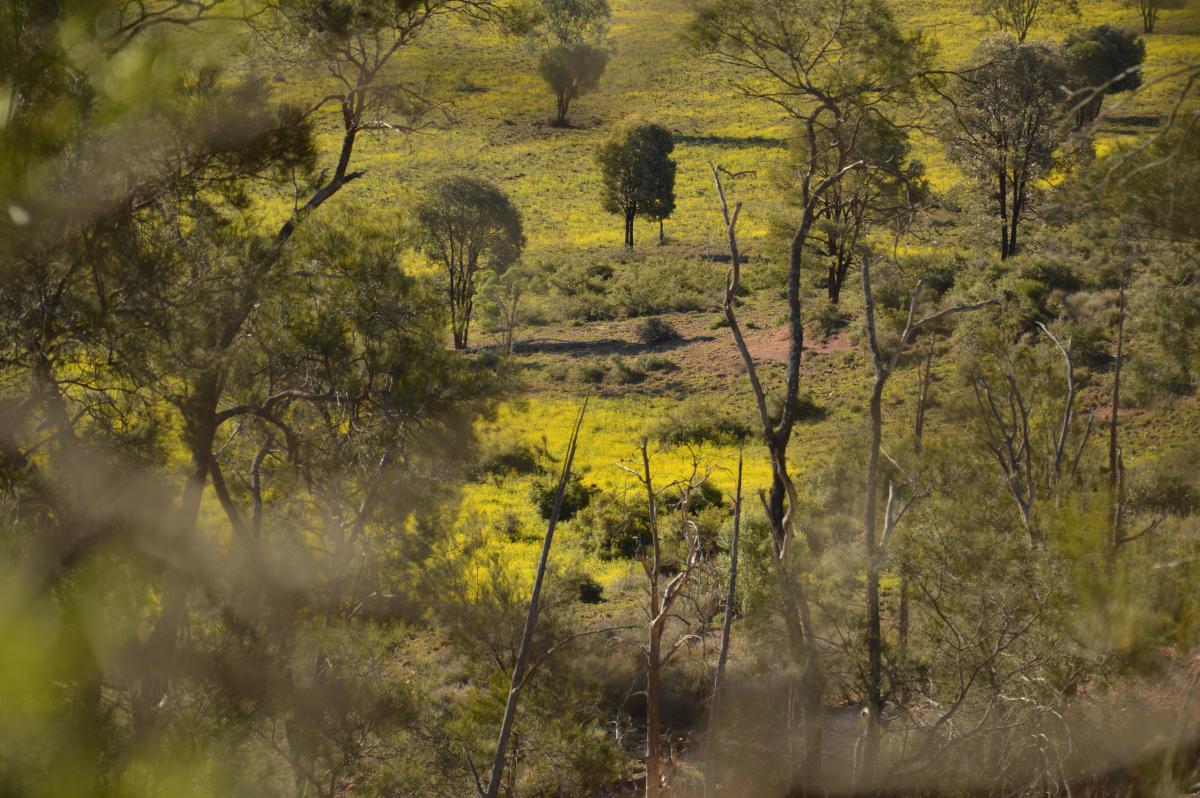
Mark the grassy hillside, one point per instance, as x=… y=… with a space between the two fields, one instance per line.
x=492 y=122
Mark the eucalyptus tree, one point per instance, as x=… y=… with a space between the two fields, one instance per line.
x=828 y=67
x=573 y=57
x=1007 y=124
x=1018 y=16
x=885 y=195
x=1149 y=10
x=133 y=286
x=468 y=226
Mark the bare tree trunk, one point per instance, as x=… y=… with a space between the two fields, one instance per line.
x=884 y=368
x=654 y=641
x=870 y=753
x=1003 y=197
x=564 y=105
x=711 y=765
x=518 y=677
x=783 y=500
x=1114 y=451
x=653 y=708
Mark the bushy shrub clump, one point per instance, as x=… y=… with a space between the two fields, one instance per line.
x=576 y=495
x=655 y=331
x=701 y=421
x=634 y=287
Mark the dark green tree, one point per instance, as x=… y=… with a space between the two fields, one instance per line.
x=1104 y=60
x=825 y=64
x=638 y=174
x=468 y=225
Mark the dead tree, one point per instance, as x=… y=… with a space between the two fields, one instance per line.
x=522 y=662
x=663 y=595
x=710 y=765
x=884 y=368
x=1007 y=436
x=783 y=500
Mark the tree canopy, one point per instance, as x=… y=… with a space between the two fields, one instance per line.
x=638 y=174
x=468 y=225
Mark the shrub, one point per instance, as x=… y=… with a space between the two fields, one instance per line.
x=590 y=372
x=700 y=421
x=503 y=456
x=655 y=331
x=719 y=323
x=828 y=318
x=1168 y=484
x=576 y=496
x=656 y=363
x=621 y=372
x=581 y=290
x=590 y=591
x=616 y=529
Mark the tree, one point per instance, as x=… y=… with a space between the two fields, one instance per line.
x=1104 y=60
x=1007 y=124
x=519 y=673
x=1018 y=16
x=885 y=193
x=873 y=543
x=571 y=71
x=825 y=65
x=468 y=225
x=664 y=593
x=1150 y=9
x=574 y=59
x=638 y=174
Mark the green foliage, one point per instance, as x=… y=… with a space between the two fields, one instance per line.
x=501 y=456
x=697 y=421
x=572 y=21
x=615 y=528
x=829 y=318
x=656 y=363
x=468 y=225
x=1167 y=485
x=624 y=372
x=1018 y=16
x=653 y=330
x=576 y=495
x=637 y=173
x=1006 y=129
x=571 y=72
x=1104 y=60
x=633 y=286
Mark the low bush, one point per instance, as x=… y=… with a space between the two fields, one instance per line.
x=590 y=591
x=590 y=372
x=828 y=318
x=502 y=455
x=576 y=496
x=656 y=363
x=616 y=529
x=701 y=421
x=622 y=372
x=655 y=331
